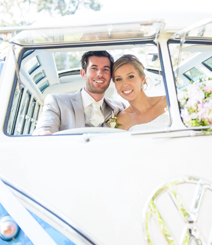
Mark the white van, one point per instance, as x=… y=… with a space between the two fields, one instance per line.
x=106 y=185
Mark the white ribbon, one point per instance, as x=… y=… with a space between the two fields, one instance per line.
x=23 y=218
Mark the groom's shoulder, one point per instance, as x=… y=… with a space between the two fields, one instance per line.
x=62 y=97
x=57 y=97
x=115 y=103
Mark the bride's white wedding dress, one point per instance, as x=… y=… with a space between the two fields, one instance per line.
x=159 y=122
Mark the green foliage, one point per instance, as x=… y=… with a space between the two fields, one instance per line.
x=207 y=131
x=197 y=123
x=63 y=7
x=23 y=12
x=191 y=110
x=117 y=124
x=66 y=61
x=207 y=95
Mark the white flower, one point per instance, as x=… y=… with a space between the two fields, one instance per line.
x=112 y=122
x=194 y=115
x=192 y=103
x=208 y=83
x=195 y=93
x=197 y=104
x=185 y=115
x=182 y=95
x=182 y=102
x=210 y=116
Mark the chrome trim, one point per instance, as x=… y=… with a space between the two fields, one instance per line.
x=33 y=202
x=84 y=44
x=159 y=24
x=192 y=131
x=33 y=28
x=20 y=85
x=200 y=24
x=190 y=217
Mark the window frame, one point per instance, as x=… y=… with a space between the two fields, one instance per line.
x=91 y=46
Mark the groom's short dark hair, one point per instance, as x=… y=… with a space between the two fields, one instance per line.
x=102 y=53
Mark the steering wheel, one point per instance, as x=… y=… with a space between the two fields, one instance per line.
x=93 y=130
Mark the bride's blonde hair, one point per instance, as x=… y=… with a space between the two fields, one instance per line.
x=129 y=59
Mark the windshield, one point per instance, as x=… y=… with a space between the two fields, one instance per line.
x=45 y=72
x=192 y=65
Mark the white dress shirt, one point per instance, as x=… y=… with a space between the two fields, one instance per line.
x=87 y=101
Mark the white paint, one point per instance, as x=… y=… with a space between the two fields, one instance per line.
x=23 y=218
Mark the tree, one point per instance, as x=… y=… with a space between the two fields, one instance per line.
x=65 y=7
x=24 y=12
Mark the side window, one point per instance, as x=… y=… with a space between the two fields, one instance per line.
x=34 y=118
x=32 y=65
x=28 y=117
x=194 y=74
x=14 y=111
x=208 y=63
x=22 y=115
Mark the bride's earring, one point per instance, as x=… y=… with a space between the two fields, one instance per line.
x=144 y=84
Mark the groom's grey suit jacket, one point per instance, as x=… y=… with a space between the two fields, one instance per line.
x=65 y=111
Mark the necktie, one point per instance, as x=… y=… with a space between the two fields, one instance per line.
x=97 y=117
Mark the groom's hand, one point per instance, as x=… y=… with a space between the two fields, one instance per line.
x=45 y=133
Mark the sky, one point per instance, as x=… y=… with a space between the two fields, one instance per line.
x=155 y=8
x=156 y=5
x=183 y=12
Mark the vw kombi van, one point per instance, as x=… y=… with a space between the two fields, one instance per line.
x=106 y=185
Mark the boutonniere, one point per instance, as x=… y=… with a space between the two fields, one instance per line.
x=112 y=122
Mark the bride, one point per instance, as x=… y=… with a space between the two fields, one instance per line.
x=144 y=112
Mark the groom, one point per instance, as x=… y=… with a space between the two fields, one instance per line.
x=66 y=111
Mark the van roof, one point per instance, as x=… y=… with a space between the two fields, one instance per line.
x=116 y=26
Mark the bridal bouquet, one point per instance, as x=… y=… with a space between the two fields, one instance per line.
x=196 y=103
